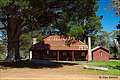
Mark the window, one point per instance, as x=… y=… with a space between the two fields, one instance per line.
x=64 y=54
x=54 y=53
x=47 y=52
x=83 y=54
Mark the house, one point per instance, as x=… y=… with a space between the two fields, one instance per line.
x=100 y=54
x=56 y=47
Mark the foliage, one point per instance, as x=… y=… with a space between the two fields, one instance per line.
x=115 y=34
x=37 y=34
x=2 y=56
x=25 y=44
x=76 y=12
x=116 y=4
x=75 y=31
x=23 y=16
x=40 y=38
x=2 y=50
x=93 y=25
x=26 y=41
x=81 y=31
x=102 y=39
x=114 y=47
x=3 y=44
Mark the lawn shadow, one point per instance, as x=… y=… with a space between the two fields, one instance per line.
x=116 y=67
x=35 y=64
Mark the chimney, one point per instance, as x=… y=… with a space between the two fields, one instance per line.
x=34 y=40
x=89 y=49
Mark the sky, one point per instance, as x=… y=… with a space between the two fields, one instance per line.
x=110 y=19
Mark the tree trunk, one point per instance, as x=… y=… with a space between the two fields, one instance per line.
x=13 y=34
x=13 y=50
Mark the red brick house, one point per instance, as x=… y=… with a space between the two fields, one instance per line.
x=54 y=48
x=100 y=54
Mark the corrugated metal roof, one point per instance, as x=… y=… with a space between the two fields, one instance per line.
x=57 y=42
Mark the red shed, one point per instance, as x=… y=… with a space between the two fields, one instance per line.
x=100 y=54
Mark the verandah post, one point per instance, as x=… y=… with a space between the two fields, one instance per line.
x=73 y=56
x=57 y=55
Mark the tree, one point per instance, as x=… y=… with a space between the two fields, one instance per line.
x=3 y=48
x=113 y=50
x=25 y=44
x=19 y=16
x=81 y=15
x=75 y=11
x=76 y=31
x=116 y=40
x=81 y=31
x=26 y=41
x=91 y=27
x=102 y=39
x=116 y=5
x=114 y=45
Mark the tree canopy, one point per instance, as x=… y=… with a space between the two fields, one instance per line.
x=116 y=5
x=22 y=16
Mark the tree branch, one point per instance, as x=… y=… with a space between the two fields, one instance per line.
x=2 y=28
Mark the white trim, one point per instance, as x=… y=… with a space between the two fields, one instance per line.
x=30 y=55
x=97 y=48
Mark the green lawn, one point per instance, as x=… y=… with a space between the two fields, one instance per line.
x=112 y=65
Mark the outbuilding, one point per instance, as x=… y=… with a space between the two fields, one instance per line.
x=100 y=53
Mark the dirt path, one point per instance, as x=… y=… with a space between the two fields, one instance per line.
x=63 y=73
x=43 y=76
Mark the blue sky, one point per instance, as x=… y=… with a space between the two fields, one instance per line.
x=110 y=20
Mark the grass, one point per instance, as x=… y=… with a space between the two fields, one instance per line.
x=112 y=65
